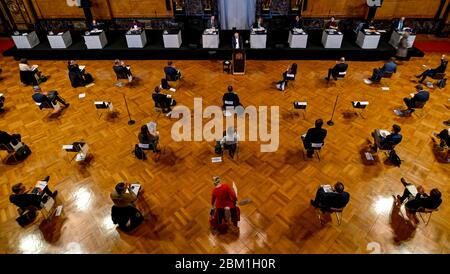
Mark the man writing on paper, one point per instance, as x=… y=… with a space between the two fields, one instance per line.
x=123 y=195
x=385 y=139
x=417 y=198
x=24 y=199
x=314 y=135
x=328 y=196
x=417 y=99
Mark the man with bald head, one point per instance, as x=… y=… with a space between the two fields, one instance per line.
x=338 y=69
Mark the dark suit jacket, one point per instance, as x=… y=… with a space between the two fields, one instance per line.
x=340 y=67
x=25 y=200
x=298 y=24
x=332 y=199
x=170 y=71
x=161 y=99
x=41 y=98
x=421 y=97
x=392 y=139
x=423 y=200
x=315 y=135
x=210 y=24
x=5 y=138
x=231 y=96
x=395 y=24
x=233 y=43
x=442 y=67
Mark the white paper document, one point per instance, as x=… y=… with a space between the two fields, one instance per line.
x=412 y=189
x=216 y=159
x=327 y=188
x=67 y=147
x=135 y=188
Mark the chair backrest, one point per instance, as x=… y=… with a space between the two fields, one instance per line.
x=387 y=74
x=228 y=103
x=419 y=104
x=6 y=147
x=333 y=209
x=120 y=72
x=439 y=76
x=427 y=210
x=171 y=77
x=317 y=146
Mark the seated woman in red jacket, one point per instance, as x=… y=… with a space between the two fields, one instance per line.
x=223 y=196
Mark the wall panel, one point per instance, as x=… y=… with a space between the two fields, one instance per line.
x=139 y=8
x=408 y=8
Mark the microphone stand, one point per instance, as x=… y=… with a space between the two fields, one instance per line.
x=130 y=121
x=330 y=122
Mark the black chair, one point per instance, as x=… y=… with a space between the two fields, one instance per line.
x=121 y=73
x=439 y=76
x=419 y=106
x=28 y=77
x=227 y=66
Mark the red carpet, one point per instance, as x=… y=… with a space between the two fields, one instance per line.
x=6 y=43
x=433 y=46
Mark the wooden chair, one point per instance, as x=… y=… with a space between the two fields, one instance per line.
x=337 y=211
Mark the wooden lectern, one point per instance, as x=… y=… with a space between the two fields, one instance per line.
x=239 y=61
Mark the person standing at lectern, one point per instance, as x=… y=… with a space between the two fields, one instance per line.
x=332 y=24
x=399 y=24
x=212 y=23
x=298 y=23
x=259 y=23
x=236 y=42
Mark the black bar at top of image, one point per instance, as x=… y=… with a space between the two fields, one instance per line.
x=201 y=263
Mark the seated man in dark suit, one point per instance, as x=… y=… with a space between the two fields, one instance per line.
x=24 y=199
x=7 y=139
x=419 y=98
x=421 y=200
x=298 y=23
x=314 y=135
x=340 y=67
x=230 y=99
x=163 y=101
x=386 y=141
x=331 y=197
x=172 y=73
x=50 y=97
x=122 y=71
x=388 y=67
x=30 y=75
x=212 y=23
x=432 y=72
x=78 y=77
x=399 y=24
x=236 y=41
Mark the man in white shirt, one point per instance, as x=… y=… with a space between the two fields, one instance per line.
x=236 y=42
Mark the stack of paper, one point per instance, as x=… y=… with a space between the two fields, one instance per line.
x=327 y=188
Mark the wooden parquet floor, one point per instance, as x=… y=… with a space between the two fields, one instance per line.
x=176 y=202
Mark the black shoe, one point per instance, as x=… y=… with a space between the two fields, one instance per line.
x=326 y=78
x=313 y=203
x=418 y=76
x=67 y=105
x=54 y=193
x=46 y=179
x=447 y=123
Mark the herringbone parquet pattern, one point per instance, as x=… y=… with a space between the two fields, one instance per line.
x=177 y=187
